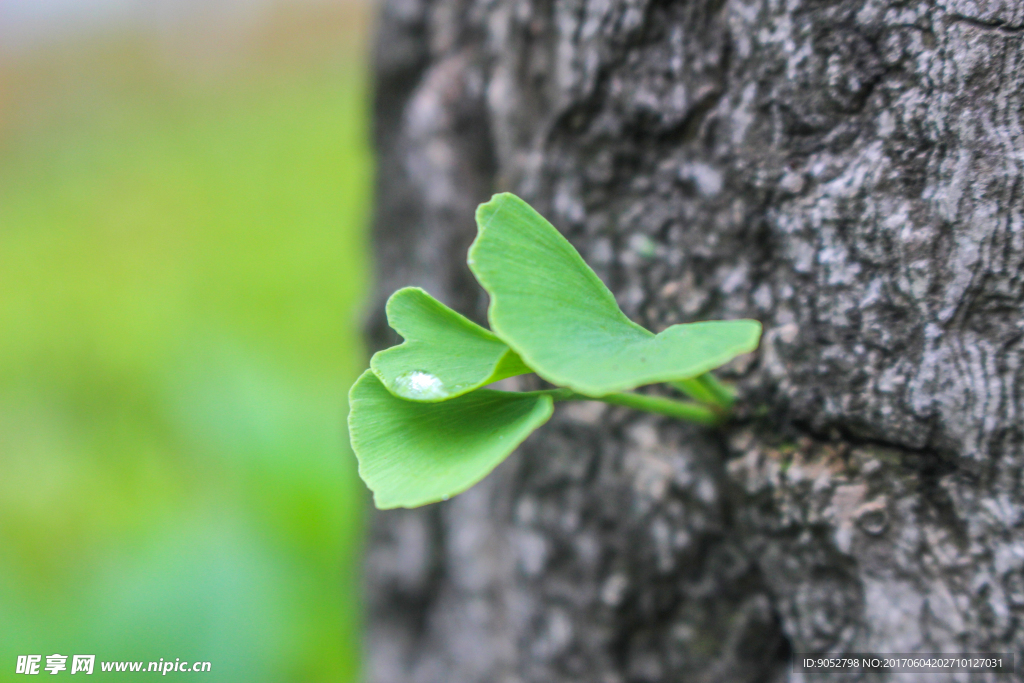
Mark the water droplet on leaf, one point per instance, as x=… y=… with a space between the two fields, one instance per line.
x=419 y=386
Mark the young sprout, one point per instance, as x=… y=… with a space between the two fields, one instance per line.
x=422 y=427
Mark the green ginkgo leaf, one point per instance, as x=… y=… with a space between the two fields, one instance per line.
x=444 y=355
x=413 y=453
x=553 y=310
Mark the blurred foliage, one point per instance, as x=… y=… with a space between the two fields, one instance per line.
x=182 y=258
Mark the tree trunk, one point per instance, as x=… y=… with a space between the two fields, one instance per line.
x=849 y=172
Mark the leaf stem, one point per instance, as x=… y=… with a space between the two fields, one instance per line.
x=707 y=389
x=561 y=395
x=696 y=390
x=708 y=416
x=724 y=395
x=685 y=410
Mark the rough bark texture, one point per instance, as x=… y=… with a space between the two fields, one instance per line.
x=850 y=173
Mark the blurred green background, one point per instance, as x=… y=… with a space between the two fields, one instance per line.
x=182 y=261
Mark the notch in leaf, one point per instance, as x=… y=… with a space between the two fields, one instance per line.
x=444 y=354
x=413 y=453
x=553 y=310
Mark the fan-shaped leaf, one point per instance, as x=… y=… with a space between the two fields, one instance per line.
x=444 y=355
x=554 y=311
x=412 y=454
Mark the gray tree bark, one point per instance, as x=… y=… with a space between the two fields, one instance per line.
x=850 y=173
